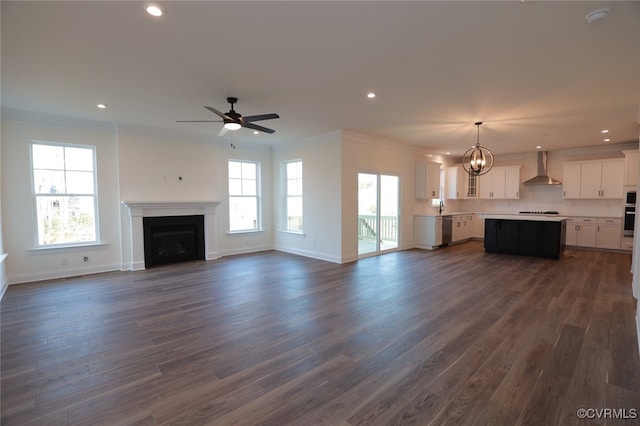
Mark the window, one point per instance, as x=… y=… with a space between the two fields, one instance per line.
x=64 y=188
x=293 y=172
x=243 y=196
x=471 y=185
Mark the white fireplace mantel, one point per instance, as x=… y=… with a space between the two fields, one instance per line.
x=140 y=209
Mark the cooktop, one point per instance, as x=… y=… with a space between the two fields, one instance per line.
x=534 y=212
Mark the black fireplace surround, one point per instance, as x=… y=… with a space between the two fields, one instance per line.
x=170 y=239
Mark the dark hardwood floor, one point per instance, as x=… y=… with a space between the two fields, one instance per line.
x=454 y=336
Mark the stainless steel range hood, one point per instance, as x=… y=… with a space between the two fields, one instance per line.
x=542 y=178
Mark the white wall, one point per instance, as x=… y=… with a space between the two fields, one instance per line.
x=18 y=213
x=321 y=179
x=362 y=153
x=3 y=271
x=135 y=165
x=168 y=168
x=246 y=242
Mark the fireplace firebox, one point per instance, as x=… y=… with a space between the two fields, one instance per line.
x=170 y=239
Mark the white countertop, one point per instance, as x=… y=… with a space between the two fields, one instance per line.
x=514 y=215
x=530 y=217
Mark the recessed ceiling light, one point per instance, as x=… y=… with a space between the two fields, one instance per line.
x=597 y=15
x=448 y=153
x=604 y=131
x=255 y=132
x=607 y=140
x=102 y=106
x=154 y=10
x=538 y=146
x=371 y=95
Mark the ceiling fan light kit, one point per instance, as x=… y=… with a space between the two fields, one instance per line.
x=478 y=160
x=232 y=126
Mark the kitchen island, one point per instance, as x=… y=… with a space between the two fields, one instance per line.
x=533 y=235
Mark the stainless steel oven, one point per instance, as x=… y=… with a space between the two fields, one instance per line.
x=629 y=220
x=629 y=213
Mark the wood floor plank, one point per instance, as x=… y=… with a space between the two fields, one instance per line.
x=452 y=336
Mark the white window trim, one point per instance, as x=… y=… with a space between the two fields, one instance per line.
x=36 y=242
x=296 y=233
x=61 y=247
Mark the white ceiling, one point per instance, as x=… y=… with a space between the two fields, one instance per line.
x=535 y=72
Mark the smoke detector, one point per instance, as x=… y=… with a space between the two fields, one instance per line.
x=597 y=15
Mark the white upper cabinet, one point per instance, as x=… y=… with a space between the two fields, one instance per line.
x=613 y=179
x=427 y=182
x=631 y=163
x=459 y=185
x=455 y=179
x=601 y=179
x=512 y=182
x=500 y=183
x=571 y=180
x=452 y=183
x=591 y=180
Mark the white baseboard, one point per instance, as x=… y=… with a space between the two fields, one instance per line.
x=3 y=290
x=66 y=273
x=212 y=255
x=244 y=250
x=638 y=325
x=311 y=254
x=4 y=283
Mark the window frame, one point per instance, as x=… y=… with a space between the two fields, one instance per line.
x=257 y=196
x=34 y=195
x=287 y=196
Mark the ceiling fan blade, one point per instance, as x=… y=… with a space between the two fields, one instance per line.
x=252 y=118
x=223 y=131
x=218 y=113
x=256 y=127
x=198 y=121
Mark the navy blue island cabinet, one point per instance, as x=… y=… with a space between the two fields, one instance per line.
x=526 y=235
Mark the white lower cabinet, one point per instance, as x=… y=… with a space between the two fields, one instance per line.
x=462 y=227
x=427 y=232
x=603 y=232
x=609 y=232
x=457 y=230
x=478 y=226
x=581 y=231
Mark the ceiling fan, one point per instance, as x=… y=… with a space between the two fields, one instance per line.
x=233 y=120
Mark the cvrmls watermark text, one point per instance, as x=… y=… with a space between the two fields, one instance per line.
x=607 y=413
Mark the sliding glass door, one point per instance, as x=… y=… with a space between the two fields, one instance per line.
x=378 y=213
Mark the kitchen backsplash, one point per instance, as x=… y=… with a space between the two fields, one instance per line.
x=539 y=198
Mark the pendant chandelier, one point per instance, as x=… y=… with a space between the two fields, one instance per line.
x=477 y=160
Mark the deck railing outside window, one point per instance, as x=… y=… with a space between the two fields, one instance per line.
x=388 y=228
